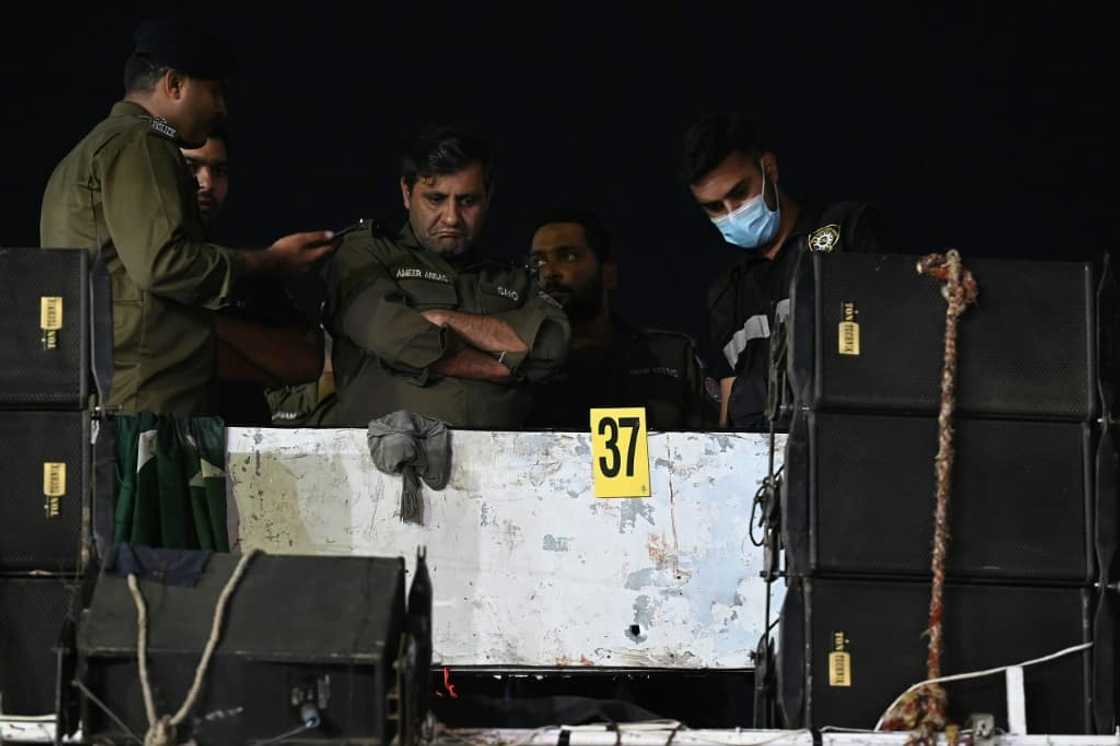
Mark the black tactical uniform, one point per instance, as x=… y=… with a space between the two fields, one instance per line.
x=748 y=302
x=657 y=370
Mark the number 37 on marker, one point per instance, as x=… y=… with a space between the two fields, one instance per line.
x=619 y=452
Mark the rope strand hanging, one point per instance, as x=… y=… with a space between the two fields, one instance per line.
x=161 y=729
x=926 y=710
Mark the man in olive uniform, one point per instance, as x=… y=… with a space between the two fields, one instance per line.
x=126 y=193
x=307 y=404
x=734 y=178
x=611 y=363
x=263 y=340
x=421 y=320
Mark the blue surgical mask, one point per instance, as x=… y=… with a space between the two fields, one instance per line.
x=751 y=224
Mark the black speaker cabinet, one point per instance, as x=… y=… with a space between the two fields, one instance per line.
x=868 y=334
x=859 y=498
x=847 y=648
x=1107 y=709
x=32 y=614
x=319 y=630
x=44 y=325
x=1108 y=506
x=44 y=490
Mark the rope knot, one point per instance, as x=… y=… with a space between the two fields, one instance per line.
x=926 y=709
x=160 y=733
x=960 y=289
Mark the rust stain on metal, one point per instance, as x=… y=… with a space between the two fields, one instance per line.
x=659 y=552
x=673 y=521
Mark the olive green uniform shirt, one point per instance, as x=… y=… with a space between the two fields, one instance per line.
x=384 y=349
x=125 y=190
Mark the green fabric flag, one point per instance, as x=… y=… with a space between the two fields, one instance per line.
x=171 y=484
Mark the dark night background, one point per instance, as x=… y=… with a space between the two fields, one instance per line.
x=985 y=127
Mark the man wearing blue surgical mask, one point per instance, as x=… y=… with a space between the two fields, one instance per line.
x=734 y=178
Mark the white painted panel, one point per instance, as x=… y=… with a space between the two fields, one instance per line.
x=528 y=567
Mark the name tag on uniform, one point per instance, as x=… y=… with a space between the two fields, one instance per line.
x=620 y=452
x=658 y=371
x=415 y=273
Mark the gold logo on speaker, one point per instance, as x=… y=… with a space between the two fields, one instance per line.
x=50 y=320
x=849 y=329
x=54 y=487
x=839 y=661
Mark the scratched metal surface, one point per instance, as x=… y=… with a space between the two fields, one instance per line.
x=528 y=567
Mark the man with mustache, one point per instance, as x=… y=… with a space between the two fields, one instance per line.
x=422 y=320
x=611 y=364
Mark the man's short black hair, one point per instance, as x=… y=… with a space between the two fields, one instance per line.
x=442 y=149
x=141 y=74
x=714 y=137
x=598 y=237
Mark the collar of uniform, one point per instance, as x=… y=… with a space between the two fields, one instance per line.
x=129 y=109
x=156 y=124
x=407 y=238
x=808 y=220
x=467 y=260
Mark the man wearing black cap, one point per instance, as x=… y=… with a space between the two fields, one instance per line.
x=125 y=192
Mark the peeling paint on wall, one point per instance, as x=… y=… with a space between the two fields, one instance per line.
x=528 y=567
x=555 y=543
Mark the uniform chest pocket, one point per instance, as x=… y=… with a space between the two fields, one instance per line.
x=423 y=294
x=502 y=295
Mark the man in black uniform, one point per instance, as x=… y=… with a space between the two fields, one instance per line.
x=735 y=180
x=611 y=363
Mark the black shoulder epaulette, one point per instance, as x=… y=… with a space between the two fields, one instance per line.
x=161 y=127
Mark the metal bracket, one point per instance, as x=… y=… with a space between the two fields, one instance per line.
x=983 y=727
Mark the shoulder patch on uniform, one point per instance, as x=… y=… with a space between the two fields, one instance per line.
x=825 y=238
x=161 y=127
